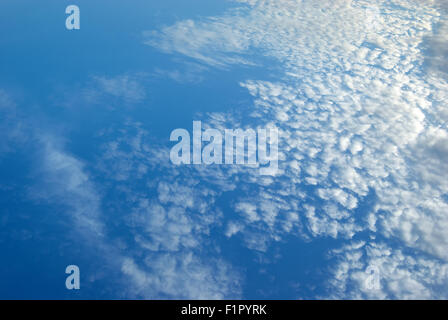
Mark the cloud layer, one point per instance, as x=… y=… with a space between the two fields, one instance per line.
x=359 y=119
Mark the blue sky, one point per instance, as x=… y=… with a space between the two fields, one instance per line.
x=357 y=89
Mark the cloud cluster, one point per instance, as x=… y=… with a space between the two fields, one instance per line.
x=402 y=274
x=168 y=223
x=358 y=116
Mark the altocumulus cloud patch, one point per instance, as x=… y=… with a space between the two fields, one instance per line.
x=358 y=117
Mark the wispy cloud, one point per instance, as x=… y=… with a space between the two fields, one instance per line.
x=126 y=87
